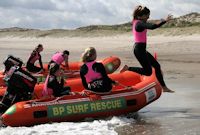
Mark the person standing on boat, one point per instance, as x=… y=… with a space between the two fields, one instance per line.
x=35 y=55
x=59 y=58
x=52 y=85
x=93 y=74
x=147 y=61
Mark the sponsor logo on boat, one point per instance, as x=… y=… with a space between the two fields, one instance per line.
x=86 y=107
x=150 y=95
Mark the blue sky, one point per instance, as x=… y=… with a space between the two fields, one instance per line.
x=69 y=14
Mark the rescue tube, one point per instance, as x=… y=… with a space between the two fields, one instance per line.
x=142 y=91
x=111 y=64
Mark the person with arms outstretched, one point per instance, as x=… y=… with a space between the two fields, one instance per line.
x=139 y=28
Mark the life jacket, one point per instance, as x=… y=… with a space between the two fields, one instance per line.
x=58 y=58
x=47 y=91
x=91 y=74
x=34 y=58
x=139 y=37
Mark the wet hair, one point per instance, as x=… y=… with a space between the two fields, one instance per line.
x=53 y=68
x=140 y=11
x=38 y=46
x=88 y=54
x=66 y=52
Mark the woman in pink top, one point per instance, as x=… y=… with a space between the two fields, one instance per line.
x=93 y=74
x=52 y=85
x=59 y=58
x=147 y=61
x=35 y=55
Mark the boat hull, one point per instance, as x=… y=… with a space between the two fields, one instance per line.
x=142 y=91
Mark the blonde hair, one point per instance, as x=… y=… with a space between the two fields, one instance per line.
x=88 y=54
x=140 y=11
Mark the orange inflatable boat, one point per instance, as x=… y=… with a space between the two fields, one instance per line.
x=142 y=90
x=111 y=64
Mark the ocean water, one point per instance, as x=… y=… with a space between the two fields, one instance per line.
x=95 y=127
x=171 y=114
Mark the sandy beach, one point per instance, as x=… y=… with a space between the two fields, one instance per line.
x=179 y=57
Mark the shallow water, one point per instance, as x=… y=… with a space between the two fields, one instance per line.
x=172 y=114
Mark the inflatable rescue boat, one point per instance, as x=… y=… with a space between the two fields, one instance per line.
x=133 y=93
x=111 y=64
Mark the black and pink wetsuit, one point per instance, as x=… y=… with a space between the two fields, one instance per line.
x=146 y=60
x=94 y=77
x=31 y=61
x=52 y=87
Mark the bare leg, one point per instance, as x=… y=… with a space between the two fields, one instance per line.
x=165 y=89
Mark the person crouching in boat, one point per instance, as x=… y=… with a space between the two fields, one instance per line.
x=52 y=86
x=93 y=74
x=35 y=55
x=59 y=58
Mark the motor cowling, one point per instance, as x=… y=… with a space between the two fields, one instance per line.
x=20 y=88
x=12 y=61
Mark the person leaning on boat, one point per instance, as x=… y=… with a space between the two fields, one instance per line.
x=93 y=74
x=52 y=85
x=35 y=55
x=59 y=58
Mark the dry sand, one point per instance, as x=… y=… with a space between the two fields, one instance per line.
x=179 y=55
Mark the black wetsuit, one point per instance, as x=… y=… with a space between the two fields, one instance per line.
x=146 y=60
x=57 y=87
x=99 y=68
x=30 y=65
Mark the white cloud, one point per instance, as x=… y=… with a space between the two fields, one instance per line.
x=48 y=14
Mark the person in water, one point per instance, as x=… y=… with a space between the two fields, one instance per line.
x=35 y=55
x=139 y=28
x=52 y=85
x=93 y=74
x=59 y=58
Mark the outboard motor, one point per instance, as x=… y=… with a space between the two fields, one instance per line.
x=12 y=61
x=20 y=87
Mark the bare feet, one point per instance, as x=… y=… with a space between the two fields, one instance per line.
x=125 y=68
x=165 y=89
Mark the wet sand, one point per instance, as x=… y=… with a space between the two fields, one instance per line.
x=179 y=56
x=171 y=114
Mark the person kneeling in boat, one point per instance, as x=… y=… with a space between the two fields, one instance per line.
x=52 y=86
x=93 y=74
x=59 y=58
x=35 y=55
